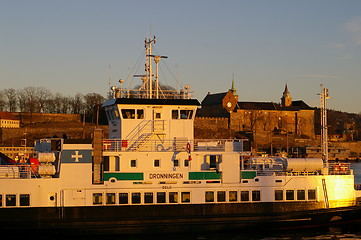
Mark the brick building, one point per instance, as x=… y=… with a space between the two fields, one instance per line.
x=263 y=122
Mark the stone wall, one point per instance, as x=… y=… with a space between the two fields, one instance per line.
x=31 y=118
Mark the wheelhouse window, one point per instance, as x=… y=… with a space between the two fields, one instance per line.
x=182 y=114
x=128 y=113
x=140 y=113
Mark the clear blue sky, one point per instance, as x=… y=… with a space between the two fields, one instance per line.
x=67 y=46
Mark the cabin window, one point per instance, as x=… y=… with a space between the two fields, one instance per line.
x=290 y=195
x=232 y=196
x=10 y=200
x=24 y=199
x=186 y=162
x=133 y=163
x=186 y=197
x=209 y=196
x=244 y=196
x=176 y=163
x=278 y=195
x=148 y=197
x=128 y=113
x=1 y=200
x=221 y=196
x=140 y=114
x=117 y=163
x=311 y=194
x=106 y=163
x=173 y=197
x=110 y=198
x=123 y=198
x=160 y=197
x=156 y=163
x=97 y=198
x=301 y=195
x=256 y=195
x=157 y=115
x=174 y=114
x=136 y=198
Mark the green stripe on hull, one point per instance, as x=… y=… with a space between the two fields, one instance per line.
x=203 y=175
x=124 y=176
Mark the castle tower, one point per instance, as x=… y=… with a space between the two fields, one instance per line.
x=286 y=99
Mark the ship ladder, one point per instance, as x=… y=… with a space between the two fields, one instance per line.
x=327 y=205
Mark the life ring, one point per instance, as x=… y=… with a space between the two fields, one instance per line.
x=188 y=147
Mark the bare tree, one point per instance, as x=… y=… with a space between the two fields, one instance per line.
x=10 y=94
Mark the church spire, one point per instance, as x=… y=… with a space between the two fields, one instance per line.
x=233 y=89
x=286 y=99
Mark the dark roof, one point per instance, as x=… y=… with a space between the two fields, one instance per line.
x=146 y=101
x=257 y=105
x=296 y=106
x=213 y=99
x=8 y=115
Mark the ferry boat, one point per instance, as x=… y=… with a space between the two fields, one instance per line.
x=150 y=175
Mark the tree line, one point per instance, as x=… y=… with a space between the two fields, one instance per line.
x=42 y=100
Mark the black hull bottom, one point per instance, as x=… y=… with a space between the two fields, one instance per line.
x=173 y=218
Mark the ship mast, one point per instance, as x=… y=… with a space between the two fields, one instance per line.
x=324 y=135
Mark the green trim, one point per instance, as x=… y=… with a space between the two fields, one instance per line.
x=124 y=176
x=248 y=174
x=203 y=175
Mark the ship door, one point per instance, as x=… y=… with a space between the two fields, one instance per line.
x=157 y=123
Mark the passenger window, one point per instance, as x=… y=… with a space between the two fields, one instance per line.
x=24 y=199
x=156 y=162
x=10 y=200
x=221 y=196
x=256 y=195
x=244 y=196
x=301 y=195
x=133 y=163
x=186 y=197
x=110 y=198
x=123 y=198
x=290 y=195
x=173 y=197
x=160 y=197
x=148 y=197
x=232 y=195
x=311 y=194
x=97 y=198
x=278 y=195
x=186 y=114
x=136 y=198
x=209 y=196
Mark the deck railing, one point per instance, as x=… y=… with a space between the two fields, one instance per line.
x=178 y=144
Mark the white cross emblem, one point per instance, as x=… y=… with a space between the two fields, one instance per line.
x=77 y=156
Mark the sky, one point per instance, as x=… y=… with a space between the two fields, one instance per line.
x=79 y=46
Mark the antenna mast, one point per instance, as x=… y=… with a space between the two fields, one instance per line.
x=324 y=135
x=148 y=67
